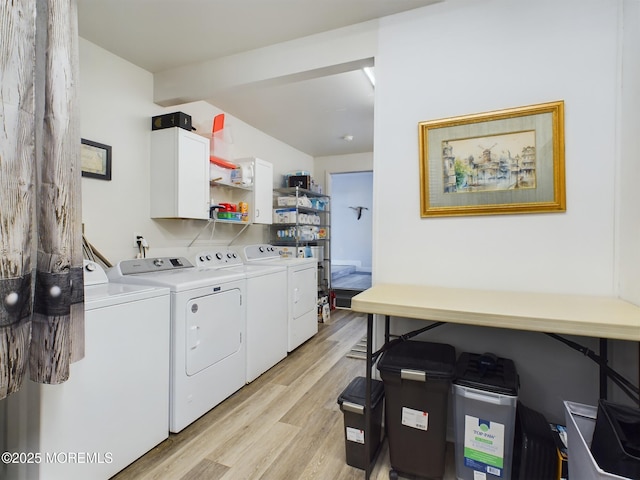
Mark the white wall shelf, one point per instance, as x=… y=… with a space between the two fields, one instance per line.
x=257 y=195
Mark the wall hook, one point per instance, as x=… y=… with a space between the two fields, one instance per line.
x=359 y=210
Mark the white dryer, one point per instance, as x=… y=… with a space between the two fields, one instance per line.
x=266 y=308
x=302 y=289
x=208 y=331
x=115 y=405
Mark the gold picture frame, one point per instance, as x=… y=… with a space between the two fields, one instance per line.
x=502 y=162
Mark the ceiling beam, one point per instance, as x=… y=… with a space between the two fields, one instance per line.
x=337 y=51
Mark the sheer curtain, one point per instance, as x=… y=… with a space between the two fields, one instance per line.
x=41 y=285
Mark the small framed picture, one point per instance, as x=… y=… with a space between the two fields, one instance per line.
x=95 y=159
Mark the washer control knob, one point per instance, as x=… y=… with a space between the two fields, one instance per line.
x=261 y=249
x=90 y=267
x=158 y=262
x=202 y=258
x=219 y=256
x=209 y=257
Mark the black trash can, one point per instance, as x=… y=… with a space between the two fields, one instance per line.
x=417 y=379
x=616 y=439
x=535 y=454
x=351 y=402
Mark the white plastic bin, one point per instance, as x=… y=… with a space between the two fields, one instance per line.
x=581 y=421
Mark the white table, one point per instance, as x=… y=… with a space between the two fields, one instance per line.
x=555 y=314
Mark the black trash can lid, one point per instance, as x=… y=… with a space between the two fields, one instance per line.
x=437 y=360
x=356 y=392
x=487 y=372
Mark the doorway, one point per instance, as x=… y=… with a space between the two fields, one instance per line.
x=351 y=234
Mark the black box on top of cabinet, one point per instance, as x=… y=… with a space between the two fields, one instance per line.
x=175 y=119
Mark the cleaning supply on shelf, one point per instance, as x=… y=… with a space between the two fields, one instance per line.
x=243 y=208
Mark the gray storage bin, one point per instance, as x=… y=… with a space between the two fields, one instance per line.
x=485 y=397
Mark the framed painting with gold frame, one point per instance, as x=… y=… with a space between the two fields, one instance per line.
x=502 y=162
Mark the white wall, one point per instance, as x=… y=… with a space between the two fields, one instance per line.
x=628 y=197
x=462 y=57
x=487 y=56
x=116 y=101
x=116 y=104
x=336 y=51
x=325 y=166
x=629 y=171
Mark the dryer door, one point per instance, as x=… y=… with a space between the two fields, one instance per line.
x=305 y=290
x=214 y=324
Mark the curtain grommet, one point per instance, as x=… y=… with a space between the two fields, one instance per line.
x=11 y=299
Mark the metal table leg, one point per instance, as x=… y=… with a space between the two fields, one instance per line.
x=367 y=401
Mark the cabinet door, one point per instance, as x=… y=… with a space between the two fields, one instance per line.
x=193 y=176
x=263 y=192
x=179 y=174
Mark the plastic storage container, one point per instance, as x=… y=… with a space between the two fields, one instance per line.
x=581 y=422
x=351 y=402
x=417 y=379
x=485 y=396
x=616 y=439
x=535 y=455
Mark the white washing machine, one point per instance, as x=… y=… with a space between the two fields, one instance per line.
x=115 y=405
x=302 y=290
x=266 y=308
x=208 y=331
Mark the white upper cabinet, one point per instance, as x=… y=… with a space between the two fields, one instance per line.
x=179 y=174
x=262 y=172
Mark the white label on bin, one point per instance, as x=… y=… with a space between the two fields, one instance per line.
x=479 y=475
x=355 y=435
x=415 y=418
x=484 y=445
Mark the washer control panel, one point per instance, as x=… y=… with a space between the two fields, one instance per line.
x=146 y=265
x=218 y=258
x=261 y=252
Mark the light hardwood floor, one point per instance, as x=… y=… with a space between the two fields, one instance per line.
x=286 y=425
